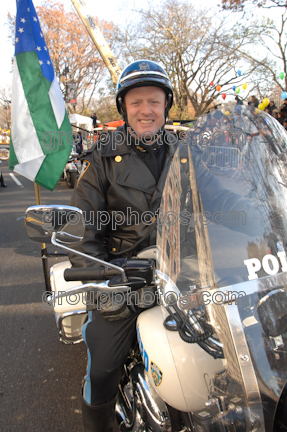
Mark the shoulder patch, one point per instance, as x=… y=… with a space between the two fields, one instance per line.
x=85 y=167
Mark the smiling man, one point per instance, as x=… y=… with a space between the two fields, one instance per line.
x=145 y=107
x=122 y=179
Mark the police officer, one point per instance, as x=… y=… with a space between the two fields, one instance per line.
x=121 y=179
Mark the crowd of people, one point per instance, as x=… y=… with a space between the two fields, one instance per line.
x=279 y=114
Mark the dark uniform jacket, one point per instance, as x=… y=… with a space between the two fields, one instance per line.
x=114 y=190
x=120 y=197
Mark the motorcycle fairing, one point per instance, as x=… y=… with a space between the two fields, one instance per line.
x=235 y=208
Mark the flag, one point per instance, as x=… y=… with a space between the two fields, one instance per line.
x=41 y=135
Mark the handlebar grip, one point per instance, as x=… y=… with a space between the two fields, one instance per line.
x=85 y=274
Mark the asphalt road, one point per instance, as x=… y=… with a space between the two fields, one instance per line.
x=40 y=378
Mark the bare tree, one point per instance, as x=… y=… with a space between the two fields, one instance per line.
x=5 y=107
x=194 y=48
x=269 y=57
x=73 y=53
x=240 y=5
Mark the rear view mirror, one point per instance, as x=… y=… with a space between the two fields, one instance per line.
x=67 y=222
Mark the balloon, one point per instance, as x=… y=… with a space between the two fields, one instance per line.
x=282 y=75
x=233 y=88
x=244 y=86
x=284 y=95
x=239 y=72
x=223 y=96
x=261 y=106
x=218 y=87
x=265 y=102
x=227 y=113
x=211 y=83
x=257 y=110
x=237 y=89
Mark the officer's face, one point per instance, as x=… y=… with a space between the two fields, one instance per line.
x=145 y=107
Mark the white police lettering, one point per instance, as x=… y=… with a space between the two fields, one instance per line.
x=143 y=352
x=270 y=264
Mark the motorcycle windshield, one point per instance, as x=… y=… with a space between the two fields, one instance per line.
x=222 y=265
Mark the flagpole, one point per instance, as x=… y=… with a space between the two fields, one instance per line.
x=43 y=245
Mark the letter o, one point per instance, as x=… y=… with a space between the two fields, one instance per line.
x=143 y=217
x=148 y=298
x=266 y=264
x=170 y=298
x=147 y=137
x=215 y=218
x=214 y=298
x=73 y=218
x=170 y=141
x=219 y=138
x=71 y=301
x=167 y=220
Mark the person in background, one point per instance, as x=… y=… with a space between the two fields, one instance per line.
x=280 y=117
x=283 y=109
x=238 y=100
x=94 y=118
x=272 y=106
x=79 y=143
x=254 y=101
x=275 y=113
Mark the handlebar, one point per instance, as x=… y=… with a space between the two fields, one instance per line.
x=88 y=274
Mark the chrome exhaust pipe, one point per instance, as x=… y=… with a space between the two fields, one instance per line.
x=157 y=420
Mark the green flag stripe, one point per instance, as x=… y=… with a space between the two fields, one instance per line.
x=12 y=156
x=54 y=163
x=36 y=88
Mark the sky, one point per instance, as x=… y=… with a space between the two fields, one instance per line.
x=109 y=10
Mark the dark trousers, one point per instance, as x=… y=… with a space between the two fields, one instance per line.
x=108 y=344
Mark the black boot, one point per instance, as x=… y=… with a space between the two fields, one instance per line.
x=100 y=418
x=3 y=184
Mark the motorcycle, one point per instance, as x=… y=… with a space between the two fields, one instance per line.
x=211 y=351
x=72 y=169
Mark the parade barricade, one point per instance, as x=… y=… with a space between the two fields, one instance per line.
x=221 y=156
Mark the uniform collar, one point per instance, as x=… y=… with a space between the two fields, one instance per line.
x=114 y=146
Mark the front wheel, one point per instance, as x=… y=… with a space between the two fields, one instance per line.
x=71 y=179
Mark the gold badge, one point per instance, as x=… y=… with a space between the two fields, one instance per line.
x=118 y=158
x=144 y=66
x=183 y=160
x=156 y=374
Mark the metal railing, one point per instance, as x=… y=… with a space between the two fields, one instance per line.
x=221 y=156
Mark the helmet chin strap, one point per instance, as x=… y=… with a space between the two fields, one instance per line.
x=123 y=111
x=168 y=104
